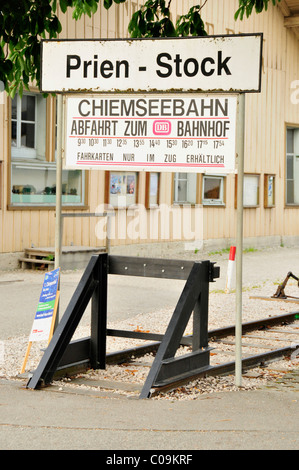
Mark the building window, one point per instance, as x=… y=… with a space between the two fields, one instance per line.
x=35 y=183
x=33 y=169
x=213 y=190
x=121 y=188
x=28 y=126
x=292 y=166
x=185 y=188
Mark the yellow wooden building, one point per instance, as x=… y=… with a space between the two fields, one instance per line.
x=271 y=180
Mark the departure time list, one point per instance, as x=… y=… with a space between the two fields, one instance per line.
x=170 y=133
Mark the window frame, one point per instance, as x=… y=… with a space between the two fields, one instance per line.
x=294 y=155
x=48 y=161
x=19 y=151
x=214 y=202
x=175 y=182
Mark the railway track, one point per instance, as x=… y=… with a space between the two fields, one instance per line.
x=263 y=342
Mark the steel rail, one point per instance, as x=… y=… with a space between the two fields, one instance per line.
x=247 y=363
x=229 y=367
x=120 y=356
x=221 y=369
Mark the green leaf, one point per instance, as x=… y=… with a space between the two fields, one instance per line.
x=142 y=26
x=107 y=4
x=63 y=5
x=20 y=89
x=169 y=30
x=149 y=15
x=246 y=7
x=134 y=19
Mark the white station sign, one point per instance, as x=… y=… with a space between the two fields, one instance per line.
x=188 y=132
x=193 y=64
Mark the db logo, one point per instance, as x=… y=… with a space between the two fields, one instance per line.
x=162 y=127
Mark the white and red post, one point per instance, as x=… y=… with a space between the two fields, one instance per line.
x=230 y=269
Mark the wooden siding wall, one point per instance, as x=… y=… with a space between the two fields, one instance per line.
x=266 y=116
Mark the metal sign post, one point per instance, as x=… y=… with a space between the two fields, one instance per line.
x=239 y=242
x=58 y=218
x=58 y=181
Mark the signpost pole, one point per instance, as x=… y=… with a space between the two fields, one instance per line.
x=58 y=219
x=239 y=242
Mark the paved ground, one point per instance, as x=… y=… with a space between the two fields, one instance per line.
x=51 y=419
x=55 y=419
